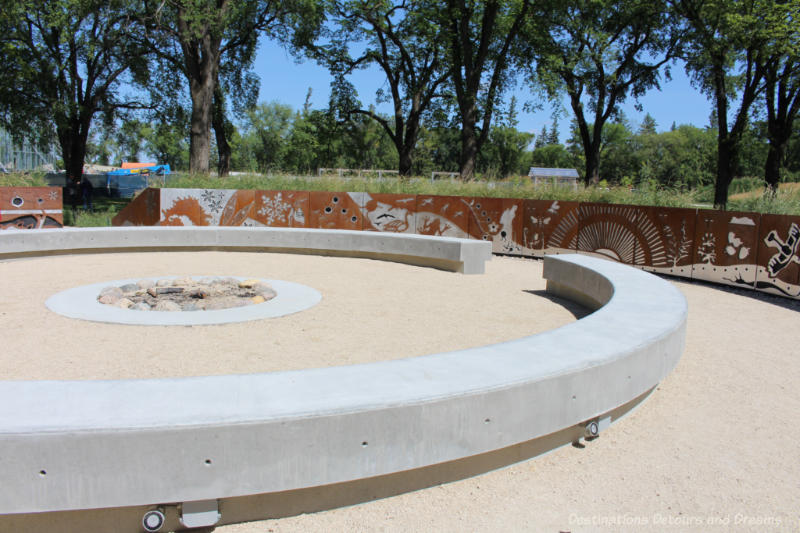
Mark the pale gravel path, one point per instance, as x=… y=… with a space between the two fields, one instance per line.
x=370 y=310
x=713 y=449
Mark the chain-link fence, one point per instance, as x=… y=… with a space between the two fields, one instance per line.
x=25 y=156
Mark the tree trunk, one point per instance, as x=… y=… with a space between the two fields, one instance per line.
x=592 y=154
x=408 y=142
x=469 y=153
x=221 y=133
x=405 y=162
x=726 y=163
x=202 y=92
x=772 y=168
x=469 y=144
x=73 y=136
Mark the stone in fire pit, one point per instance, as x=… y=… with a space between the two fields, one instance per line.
x=187 y=294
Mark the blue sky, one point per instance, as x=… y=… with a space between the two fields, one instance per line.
x=286 y=81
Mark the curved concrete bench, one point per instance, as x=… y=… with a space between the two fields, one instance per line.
x=459 y=255
x=96 y=444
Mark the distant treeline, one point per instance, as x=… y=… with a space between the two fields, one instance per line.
x=272 y=137
x=185 y=70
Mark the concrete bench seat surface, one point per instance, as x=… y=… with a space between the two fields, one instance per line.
x=460 y=255
x=79 y=445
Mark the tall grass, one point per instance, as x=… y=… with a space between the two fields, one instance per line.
x=23 y=179
x=90 y=219
x=783 y=202
x=519 y=187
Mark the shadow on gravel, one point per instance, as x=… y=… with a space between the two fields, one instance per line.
x=577 y=310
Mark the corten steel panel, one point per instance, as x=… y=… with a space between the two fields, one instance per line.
x=725 y=247
x=498 y=220
x=238 y=209
x=389 y=212
x=31 y=207
x=280 y=209
x=336 y=210
x=613 y=232
x=778 y=268
x=196 y=207
x=669 y=232
x=144 y=210
x=549 y=227
x=443 y=216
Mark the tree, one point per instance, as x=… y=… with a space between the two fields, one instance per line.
x=266 y=132
x=506 y=147
x=599 y=52
x=552 y=137
x=541 y=139
x=400 y=38
x=199 y=38
x=782 y=87
x=648 y=126
x=552 y=156
x=302 y=150
x=681 y=157
x=724 y=53
x=64 y=62
x=618 y=152
x=480 y=36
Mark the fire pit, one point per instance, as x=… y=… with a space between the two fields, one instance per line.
x=187 y=294
x=183 y=301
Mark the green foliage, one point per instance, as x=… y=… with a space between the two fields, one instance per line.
x=732 y=50
x=276 y=139
x=213 y=44
x=553 y=156
x=683 y=157
x=740 y=185
x=783 y=202
x=63 y=63
x=599 y=53
x=480 y=37
x=20 y=179
x=401 y=39
x=89 y=219
x=517 y=187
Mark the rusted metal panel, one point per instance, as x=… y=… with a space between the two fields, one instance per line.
x=196 y=207
x=725 y=247
x=498 y=220
x=31 y=207
x=336 y=210
x=389 y=212
x=778 y=260
x=669 y=234
x=549 y=227
x=613 y=232
x=280 y=209
x=143 y=210
x=238 y=209
x=444 y=216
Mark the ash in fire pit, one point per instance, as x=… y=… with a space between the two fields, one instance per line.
x=187 y=294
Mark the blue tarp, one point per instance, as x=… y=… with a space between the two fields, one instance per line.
x=126 y=181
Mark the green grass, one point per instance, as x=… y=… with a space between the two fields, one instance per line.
x=23 y=179
x=784 y=202
x=104 y=210
x=520 y=187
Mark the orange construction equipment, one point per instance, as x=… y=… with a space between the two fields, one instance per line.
x=126 y=164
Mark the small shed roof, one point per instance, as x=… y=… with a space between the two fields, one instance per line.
x=539 y=172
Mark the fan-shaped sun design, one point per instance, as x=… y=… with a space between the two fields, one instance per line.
x=625 y=234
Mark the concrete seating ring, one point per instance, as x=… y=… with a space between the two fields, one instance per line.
x=66 y=445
